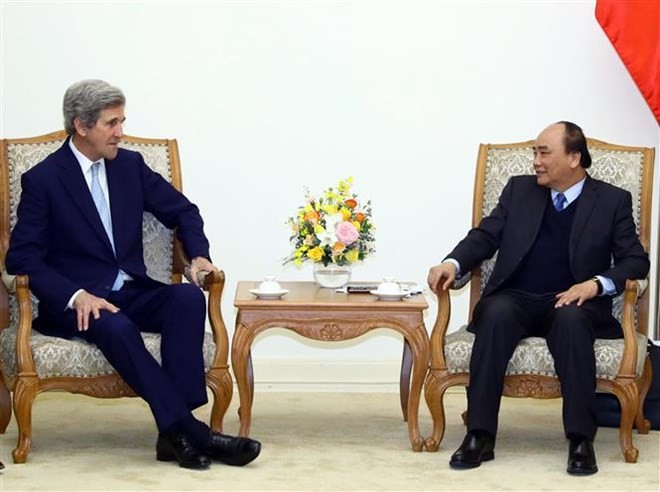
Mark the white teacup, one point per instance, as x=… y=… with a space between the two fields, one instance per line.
x=270 y=286
x=389 y=286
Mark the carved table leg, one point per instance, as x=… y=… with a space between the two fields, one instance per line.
x=404 y=382
x=242 y=363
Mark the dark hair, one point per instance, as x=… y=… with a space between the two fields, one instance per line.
x=576 y=143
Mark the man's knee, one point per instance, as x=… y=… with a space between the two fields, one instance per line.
x=110 y=328
x=187 y=296
x=571 y=324
x=495 y=308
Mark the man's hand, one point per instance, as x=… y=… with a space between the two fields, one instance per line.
x=200 y=264
x=442 y=275
x=579 y=292
x=86 y=303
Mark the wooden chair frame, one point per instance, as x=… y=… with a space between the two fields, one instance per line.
x=628 y=386
x=28 y=383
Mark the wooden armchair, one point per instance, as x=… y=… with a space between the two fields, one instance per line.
x=622 y=365
x=30 y=362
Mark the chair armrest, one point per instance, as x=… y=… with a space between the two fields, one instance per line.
x=9 y=281
x=24 y=359
x=460 y=282
x=437 y=341
x=214 y=284
x=181 y=265
x=632 y=292
x=643 y=285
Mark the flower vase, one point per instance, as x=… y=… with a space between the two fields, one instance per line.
x=331 y=276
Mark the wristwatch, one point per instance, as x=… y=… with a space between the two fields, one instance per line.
x=599 y=284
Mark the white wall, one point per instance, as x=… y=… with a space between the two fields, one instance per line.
x=266 y=98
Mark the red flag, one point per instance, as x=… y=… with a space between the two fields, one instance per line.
x=633 y=28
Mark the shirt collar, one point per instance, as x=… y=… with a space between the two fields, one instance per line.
x=572 y=193
x=82 y=159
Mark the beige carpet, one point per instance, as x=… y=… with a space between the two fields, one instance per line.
x=313 y=441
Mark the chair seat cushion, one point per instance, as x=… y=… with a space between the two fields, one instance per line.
x=533 y=357
x=58 y=357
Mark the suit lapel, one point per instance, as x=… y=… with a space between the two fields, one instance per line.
x=585 y=207
x=74 y=183
x=535 y=210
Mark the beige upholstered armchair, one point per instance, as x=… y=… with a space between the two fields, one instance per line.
x=30 y=362
x=622 y=366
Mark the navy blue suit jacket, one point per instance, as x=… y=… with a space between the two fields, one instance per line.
x=603 y=239
x=60 y=242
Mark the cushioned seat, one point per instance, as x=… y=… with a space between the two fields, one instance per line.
x=533 y=357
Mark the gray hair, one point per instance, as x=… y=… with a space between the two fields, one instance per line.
x=86 y=99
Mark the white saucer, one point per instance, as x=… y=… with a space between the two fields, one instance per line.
x=268 y=295
x=384 y=296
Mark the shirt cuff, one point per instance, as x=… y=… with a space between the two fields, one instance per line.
x=455 y=263
x=73 y=298
x=609 y=289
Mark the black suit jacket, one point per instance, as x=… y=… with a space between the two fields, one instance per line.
x=59 y=239
x=603 y=238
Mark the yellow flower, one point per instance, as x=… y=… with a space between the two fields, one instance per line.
x=329 y=209
x=315 y=254
x=344 y=186
x=352 y=255
x=346 y=213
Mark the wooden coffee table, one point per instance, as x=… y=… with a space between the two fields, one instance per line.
x=323 y=314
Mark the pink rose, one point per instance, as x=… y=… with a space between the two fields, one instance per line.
x=346 y=232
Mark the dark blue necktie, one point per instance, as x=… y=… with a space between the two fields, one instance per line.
x=560 y=202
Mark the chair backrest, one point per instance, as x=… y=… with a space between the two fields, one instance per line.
x=630 y=168
x=19 y=155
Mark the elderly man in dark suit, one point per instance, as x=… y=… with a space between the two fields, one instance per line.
x=79 y=238
x=565 y=244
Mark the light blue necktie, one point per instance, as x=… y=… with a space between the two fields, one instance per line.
x=104 y=213
x=560 y=202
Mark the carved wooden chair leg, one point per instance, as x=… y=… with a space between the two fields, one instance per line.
x=434 y=395
x=5 y=406
x=24 y=395
x=404 y=381
x=220 y=382
x=629 y=402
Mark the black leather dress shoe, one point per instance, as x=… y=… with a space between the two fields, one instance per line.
x=235 y=451
x=476 y=447
x=581 y=457
x=177 y=447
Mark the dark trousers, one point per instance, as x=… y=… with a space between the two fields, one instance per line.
x=178 y=313
x=502 y=319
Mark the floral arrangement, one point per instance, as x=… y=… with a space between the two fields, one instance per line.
x=336 y=228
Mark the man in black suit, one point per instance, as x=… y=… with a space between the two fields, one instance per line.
x=566 y=243
x=79 y=238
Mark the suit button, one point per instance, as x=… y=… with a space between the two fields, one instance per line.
x=106 y=287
